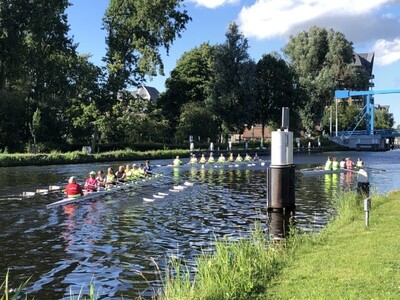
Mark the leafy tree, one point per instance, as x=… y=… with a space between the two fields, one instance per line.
x=275 y=89
x=189 y=82
x=383 y=119
x=12 y=118
x=322 y=61
x=35 y=126
x=135 y=32
x=233 y=92
x=50 y=55
x=196 y=121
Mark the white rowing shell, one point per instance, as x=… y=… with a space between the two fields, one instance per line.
x=85 y=197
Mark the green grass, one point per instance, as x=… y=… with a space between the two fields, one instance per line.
x=237 y=270
x=344 y=261
x=347 y=260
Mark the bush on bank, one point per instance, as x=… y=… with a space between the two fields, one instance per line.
x=57 y=158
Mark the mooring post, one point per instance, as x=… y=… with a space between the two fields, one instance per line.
x=281 y=173
x=367 y=208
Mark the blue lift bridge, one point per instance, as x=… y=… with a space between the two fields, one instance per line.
x=370 y=139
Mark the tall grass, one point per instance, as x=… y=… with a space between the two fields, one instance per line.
x=237 y=270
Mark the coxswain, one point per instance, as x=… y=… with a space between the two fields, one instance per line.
x=211 y=159
x=221 y=159
x=101 y=181
x=73 y=189
x=360 y=163
x=91 y=182
x=247 y=157
x=193 y=160
x=203 y=159
x=335 y=164
x=120 y=174
x=328 y=164
x=349 y=164
x=230 y=158
x=239 y=158
x=342 y=163
x=148 y=170
x=177 y=162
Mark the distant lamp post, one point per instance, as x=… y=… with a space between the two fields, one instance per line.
x=252 y=132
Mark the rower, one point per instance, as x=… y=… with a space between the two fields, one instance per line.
x=120 y=174
x=328 y=164
x=91 y=182
x=135 y=172
x=221 y=159
x=231 y=159
x=203 y=159
x=239 y=158
x=335 y=164
x=360 y=163
x=73 y=189
x=148 y=170
x=101 y=181
x=211 y=159
x=343 y=164
x=193 y=160
x=110 y=177
x=142 y=173
x=247 y=157
x=255 y=157
x=177 y=162
x=349 y=164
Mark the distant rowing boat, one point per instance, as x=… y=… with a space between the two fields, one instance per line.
x=316 y=172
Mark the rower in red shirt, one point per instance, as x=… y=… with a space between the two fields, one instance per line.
x=73 y=189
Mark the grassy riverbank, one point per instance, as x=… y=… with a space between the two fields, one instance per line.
x=345 y=261
x=76 y=157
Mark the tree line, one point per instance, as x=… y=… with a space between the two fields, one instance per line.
x=54 y=97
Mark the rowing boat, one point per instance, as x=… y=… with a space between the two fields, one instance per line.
x=317 y=172
x=92 y=195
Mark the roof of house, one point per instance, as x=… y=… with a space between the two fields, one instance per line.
x=365 y=60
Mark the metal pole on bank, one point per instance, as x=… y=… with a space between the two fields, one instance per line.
x=281 y=173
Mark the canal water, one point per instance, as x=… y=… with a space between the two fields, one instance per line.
x=123 y=244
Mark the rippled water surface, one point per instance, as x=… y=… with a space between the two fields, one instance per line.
x=123 y=244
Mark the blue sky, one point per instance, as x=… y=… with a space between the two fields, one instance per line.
x=372 y=26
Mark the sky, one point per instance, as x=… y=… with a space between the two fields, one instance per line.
x=372 y=26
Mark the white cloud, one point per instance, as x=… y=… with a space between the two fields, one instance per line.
x=387 y=52
x=213 y=3
x=281 y=18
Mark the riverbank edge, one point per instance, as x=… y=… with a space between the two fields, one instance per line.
x=82 y=157
x=345 y=260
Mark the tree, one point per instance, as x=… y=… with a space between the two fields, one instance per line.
x=196 y=121
x=275 y=89
x=34 y=127
x=383 y=119
x=322 y=61
x=233 y=91
x=189 y=82
x=135 y=32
